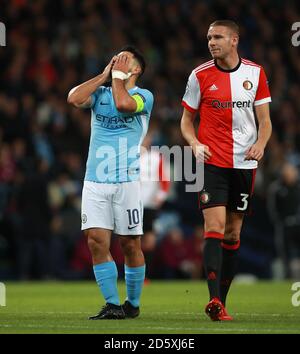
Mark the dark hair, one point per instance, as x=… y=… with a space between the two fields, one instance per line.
x=137 y=55
x=227 y=23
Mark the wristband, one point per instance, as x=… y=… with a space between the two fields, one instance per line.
x=117 y=74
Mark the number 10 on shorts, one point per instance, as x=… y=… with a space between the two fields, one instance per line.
x=133 y=217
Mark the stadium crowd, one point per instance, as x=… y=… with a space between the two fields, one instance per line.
x=53 y=46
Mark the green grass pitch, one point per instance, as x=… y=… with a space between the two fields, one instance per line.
x=167 y=308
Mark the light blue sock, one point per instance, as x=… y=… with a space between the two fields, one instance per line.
x=106 y=275
x=134 y=278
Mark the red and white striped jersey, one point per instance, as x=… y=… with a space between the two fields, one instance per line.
x=225 y=100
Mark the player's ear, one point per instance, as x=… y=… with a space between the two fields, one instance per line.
x=235 y=40
x=136 y=70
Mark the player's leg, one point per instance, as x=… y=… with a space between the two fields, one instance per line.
x=134 y=273
x=128 y=219
x=214 y=227
x=240 y=194
x=106 y=273
x=132 y=250
x=213 y=201
x=105 y=269
x=230 y=246
x=97 y=223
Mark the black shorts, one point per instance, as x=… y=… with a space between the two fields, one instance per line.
x=230 y=187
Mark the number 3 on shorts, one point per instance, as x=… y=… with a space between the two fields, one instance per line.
x=245 y=201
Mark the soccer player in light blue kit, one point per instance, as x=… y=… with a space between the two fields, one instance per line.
x=111 y=198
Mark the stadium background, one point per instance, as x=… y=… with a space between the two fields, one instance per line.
x=54 y=45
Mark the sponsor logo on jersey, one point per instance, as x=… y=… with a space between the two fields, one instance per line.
x=231 y=104
x=247 y=85
x=114 y=122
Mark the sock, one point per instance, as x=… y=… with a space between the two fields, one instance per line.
x=212 y=255
x=106 y=275
x=229 y=266
x=134 y=278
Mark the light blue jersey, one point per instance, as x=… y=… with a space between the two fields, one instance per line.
x=114 y=151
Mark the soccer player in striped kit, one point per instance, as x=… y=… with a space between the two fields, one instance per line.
x=228 y=92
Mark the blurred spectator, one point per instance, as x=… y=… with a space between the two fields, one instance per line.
x=33 y=231
x=284 y=209
x=180 y=257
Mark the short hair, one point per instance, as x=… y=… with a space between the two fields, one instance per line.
x=137 y=55
x=227 y=23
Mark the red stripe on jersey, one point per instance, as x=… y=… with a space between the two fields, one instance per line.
x=215 y=128
x=189 y=108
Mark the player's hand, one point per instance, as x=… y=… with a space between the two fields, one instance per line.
x=122 y=63
x=201 y=151
x=108 y=68
x=255 y=152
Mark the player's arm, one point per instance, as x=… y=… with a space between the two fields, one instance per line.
x=123 y=101
x=256 y=151
x=80 y=96
x=200 y=151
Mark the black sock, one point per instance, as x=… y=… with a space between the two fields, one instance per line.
x=212 y=255
x=229 y=266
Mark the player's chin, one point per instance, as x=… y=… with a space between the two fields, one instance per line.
x=216 y=54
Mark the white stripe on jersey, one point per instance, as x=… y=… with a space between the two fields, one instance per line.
x=200 y=67
x=144 y=132
x=206 y=67
x=264 y=100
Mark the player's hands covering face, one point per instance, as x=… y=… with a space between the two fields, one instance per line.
x=108 y=68
x=122 y=63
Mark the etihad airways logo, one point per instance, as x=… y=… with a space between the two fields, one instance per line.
x=231 y=104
